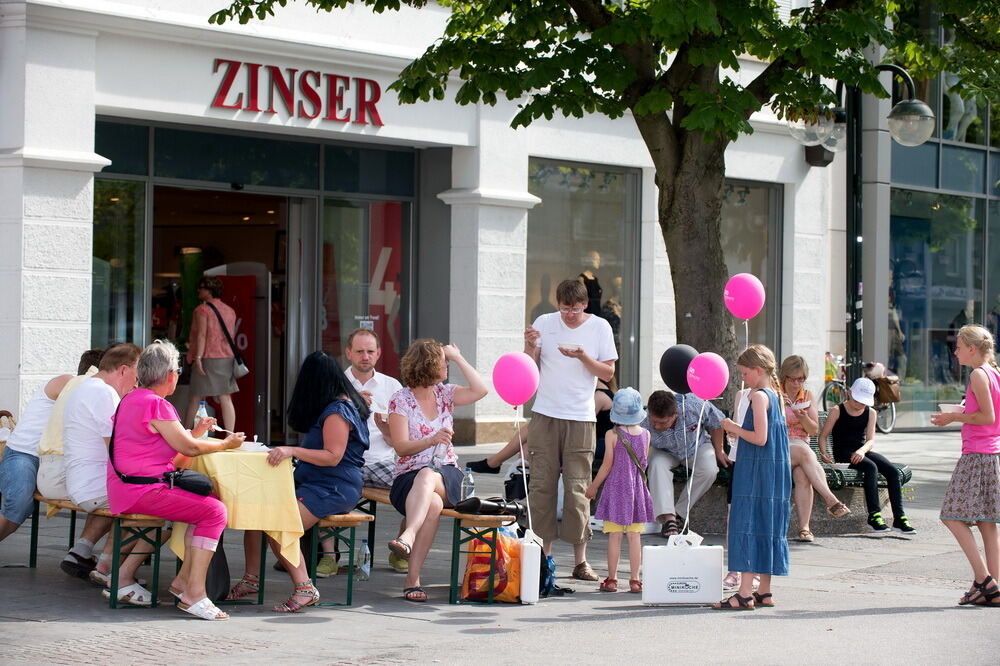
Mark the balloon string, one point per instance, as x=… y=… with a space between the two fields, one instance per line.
x=694 y=462
x=524 y=477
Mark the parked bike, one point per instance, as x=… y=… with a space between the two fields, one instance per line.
x=886 y=395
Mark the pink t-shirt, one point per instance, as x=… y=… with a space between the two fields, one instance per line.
x=983 y=438
x=139 y=451
x=207 y=324
x=405 y=403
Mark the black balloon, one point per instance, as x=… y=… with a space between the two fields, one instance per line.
x=674 y=366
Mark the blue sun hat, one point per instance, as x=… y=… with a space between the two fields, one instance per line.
x=626 y=409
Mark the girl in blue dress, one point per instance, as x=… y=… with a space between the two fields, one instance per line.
x=762 y=483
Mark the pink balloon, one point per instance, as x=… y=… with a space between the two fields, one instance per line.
x=515 y=377
x=744 y=296
x=708 y=375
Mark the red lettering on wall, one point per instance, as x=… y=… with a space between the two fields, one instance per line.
x=308 y=91
x=253 y=85
x=285 y=88
x=336 y=86
x=365 y=109
x=302 y=98
x=232 y=68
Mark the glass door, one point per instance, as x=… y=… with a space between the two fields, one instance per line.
x=363 y=263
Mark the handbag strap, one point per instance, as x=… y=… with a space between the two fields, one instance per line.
x=631 y=453
x=229 y=338
x=139 y=480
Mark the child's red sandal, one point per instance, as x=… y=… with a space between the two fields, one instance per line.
x=609 y=585
x=635 y=585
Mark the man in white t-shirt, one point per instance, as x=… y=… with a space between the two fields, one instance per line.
x=87 y=426
x=363 y=350
x=572 y=349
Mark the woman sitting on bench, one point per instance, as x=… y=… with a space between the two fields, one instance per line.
x=426 y=478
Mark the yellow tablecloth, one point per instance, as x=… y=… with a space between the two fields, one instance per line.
x=257 y=497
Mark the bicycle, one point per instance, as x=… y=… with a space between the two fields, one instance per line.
x=835 y=392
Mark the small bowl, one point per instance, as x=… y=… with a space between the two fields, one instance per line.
x=951 y=409
x=802 y=405
x=569 y=346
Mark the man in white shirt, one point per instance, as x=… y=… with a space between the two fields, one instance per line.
x=363 y=351
x=572 y=349
x=87 y=426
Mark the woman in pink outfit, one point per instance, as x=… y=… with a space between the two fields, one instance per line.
x=973 y=495
x=146 y=439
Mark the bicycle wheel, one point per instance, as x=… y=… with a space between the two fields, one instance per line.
x=885 y=420
x=833 y=394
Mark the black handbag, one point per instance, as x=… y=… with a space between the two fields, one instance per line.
x=492 y=506
x=185 y=479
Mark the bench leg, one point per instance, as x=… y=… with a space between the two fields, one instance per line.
x=370 y=507
x=263 y=568
x=33 y=553
x=462 y=535
x=72 y=529
x=116 y=560
x=121 y=537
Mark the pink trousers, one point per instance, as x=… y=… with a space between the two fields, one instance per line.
x=206 y=515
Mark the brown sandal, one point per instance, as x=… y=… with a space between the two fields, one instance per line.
x=609 y=585
x=290 y=605
x=635 y=585
x=838 y=510
x=743 y=603
x=761 y=600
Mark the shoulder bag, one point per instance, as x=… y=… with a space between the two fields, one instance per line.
x=240 y=368
x=185 y=479
x=632 y=455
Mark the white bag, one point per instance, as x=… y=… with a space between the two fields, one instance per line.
x=531 y=567
x=682 y=572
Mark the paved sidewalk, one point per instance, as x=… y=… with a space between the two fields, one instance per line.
x=858 y=599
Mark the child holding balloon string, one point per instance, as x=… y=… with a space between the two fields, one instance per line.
x=762 y=481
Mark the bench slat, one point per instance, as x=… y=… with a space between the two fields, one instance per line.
x=133 y=519
x=381 y=495
x=352 y=519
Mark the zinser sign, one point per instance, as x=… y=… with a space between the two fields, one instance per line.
x=298 y=92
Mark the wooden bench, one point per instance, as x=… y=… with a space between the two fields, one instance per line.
x=334 y=526
x=126 y=528
x=467 y=526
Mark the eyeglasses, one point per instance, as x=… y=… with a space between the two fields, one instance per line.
x=178 y=370
x=571 y=310
x=796 y=379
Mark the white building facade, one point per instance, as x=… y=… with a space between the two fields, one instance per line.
x=141 y=147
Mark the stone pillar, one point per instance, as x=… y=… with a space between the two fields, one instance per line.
x=489 y=229
x=47 y=167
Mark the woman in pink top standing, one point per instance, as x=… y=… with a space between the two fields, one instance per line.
x=973 y=496
x=210 y=353
x=147 y=437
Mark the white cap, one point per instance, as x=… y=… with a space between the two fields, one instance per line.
x=863 y=390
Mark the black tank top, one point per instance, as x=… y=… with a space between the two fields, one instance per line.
x=848 y=433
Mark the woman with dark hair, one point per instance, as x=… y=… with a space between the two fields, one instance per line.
x=210 y=353
x=334 y=419
x=426 y=478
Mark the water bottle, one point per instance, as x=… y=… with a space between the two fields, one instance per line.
x=364 y=561
x=202 y=413
x=468 y=484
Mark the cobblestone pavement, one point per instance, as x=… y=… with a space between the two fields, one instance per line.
x=860 y=598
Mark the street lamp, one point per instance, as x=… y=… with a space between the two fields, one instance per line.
x=911 y=122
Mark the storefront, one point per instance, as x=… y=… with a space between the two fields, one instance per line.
x=155 y=148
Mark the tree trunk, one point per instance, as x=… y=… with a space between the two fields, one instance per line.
x=689 y=212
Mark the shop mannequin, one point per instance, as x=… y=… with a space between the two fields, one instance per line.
x=591 y=263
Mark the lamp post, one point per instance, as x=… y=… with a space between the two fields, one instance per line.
x=911 y=122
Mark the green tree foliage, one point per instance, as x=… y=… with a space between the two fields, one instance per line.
x=675 y=65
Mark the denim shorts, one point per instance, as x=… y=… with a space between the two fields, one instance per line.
x=18 y=472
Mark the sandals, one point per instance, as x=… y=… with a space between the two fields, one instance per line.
x=78 y=566
x=609 y=585
x=246 y=586
x=982 y=594
x=670 y=528
x=742 y=604
x=133 y=595
x=763 y=599
x=838 y=510
x=400 y=548
x=582 y=571
x=731 y=581
x=634 y=585
x=290 y=605
x=204 y=609
x=104 y=579
x=415 y=594
x=806 y=535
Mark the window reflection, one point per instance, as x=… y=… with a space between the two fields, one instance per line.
x=119 y=235
x=936 y=288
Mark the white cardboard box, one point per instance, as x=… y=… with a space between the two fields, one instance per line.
x=682 y=572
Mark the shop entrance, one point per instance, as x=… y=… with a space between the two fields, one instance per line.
x=242 y=239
